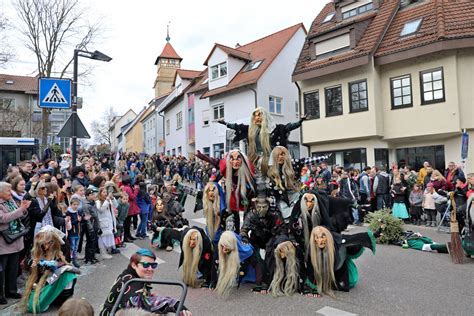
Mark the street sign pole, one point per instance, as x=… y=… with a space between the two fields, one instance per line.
x=74 y=112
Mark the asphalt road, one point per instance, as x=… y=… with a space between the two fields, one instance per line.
x=395 y=281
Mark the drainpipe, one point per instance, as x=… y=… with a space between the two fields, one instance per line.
x=301 y=128
x=255 y=92
x=164 y=148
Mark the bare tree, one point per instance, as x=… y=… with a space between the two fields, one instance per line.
x=53 y=28
x=101 y=128
x=6 y=51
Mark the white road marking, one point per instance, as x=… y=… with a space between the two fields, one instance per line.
x=330 y=311
x=131 y=249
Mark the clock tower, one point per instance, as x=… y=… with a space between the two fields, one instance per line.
x=167 y=63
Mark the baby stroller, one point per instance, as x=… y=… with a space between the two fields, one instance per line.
x=182 y=297
x=444 y=225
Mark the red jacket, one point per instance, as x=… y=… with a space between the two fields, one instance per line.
x=132 y=196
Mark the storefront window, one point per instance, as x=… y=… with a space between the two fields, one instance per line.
x=381 y=157
x=348 y=158
x=415 y=156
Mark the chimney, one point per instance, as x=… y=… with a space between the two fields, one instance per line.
x=237 y=46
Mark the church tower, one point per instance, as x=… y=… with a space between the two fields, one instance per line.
x=167 y=63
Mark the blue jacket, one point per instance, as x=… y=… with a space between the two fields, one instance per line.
x=144 y=202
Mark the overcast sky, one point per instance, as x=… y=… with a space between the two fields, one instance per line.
x=135 y=33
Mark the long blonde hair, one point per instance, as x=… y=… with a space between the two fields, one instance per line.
x=229 y=264
x=438 y=175
x=244 y=178
x=286 y=275
x=264 y=139
x=211 y=209
x=37 y=253
x=288 y=183
x=191 y=258
x=305 y=213
x=323 y=261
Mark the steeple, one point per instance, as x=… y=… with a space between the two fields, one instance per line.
x=168 y=33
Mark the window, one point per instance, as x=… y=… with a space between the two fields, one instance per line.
x=168 y=127
x=179 y=150
x=191 y=116
x=218 y=111
x=167 y=153
x=329 y=17
x=206 y=151
x=411 y=27
x=432 y=86
x=348 y=158
x=333 y=46
x=219 y=70
x=7 y=103
x=357 y=11
x=275 y=104
x=218 y=150
x=179 y=120
x=381 y=157
x=253 y=65
x=358 y=96
x=173 y=152
x=297 y=109
x=206 y=117
x=401 y=92
x=333 y=101
x=311 y=104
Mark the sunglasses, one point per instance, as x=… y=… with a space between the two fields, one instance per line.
x=147 y=265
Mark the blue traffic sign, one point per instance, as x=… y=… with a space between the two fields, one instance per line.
x=464 y=145
x=54 y=93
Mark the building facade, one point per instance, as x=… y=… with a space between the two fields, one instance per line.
x=116 y=127
x=388 y=82
x=235 y=82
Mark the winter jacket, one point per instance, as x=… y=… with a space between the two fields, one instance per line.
x=397 y=193
x=382 y=183
x=416 y=198
x=348 y=189
x=6 y=217
x=106 y=214
x=143 y=202
x=132 y=200
x=364 y=183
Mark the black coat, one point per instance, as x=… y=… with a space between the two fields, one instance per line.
x=278 y=137
x=205 y=263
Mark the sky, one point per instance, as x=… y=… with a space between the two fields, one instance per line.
x=134 y=34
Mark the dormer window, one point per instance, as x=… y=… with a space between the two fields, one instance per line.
x=329 y=17
x=333 y=46
x=219 y=70
x=253 y=65
x=411 y=27
x=349 y=11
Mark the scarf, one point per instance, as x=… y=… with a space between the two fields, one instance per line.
x=15 y=226
x=48 y=218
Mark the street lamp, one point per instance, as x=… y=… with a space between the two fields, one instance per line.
x=91 y=55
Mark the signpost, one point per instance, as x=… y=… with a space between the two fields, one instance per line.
x=54 y=93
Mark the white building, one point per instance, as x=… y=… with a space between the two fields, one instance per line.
x=153 y=128
x=175 y=112
x=116 y=127
x=241 y=79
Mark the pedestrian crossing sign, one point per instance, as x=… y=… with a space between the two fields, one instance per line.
x=54 y=93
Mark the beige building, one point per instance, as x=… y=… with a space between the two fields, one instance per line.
x=389 y=81
x=116 y=127
x=134 y=133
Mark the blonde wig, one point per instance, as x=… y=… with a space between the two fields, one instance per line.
x=38 y=252
x=286 y=275
x=244 y=178
x=229 y=264
x=211 y=209
x=191 y=258
x=437 y=175
x=323 y=260
x=264 y=135
x=288 y=183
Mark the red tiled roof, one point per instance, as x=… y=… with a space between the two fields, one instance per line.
x=235 y=52
x=168 y=52
x=28 y=85
x=187 y=74
x=441 y=20
x=265 y=49
x=378 y=23
x=200 y=84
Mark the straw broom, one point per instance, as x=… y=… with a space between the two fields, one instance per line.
x=456 y=251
